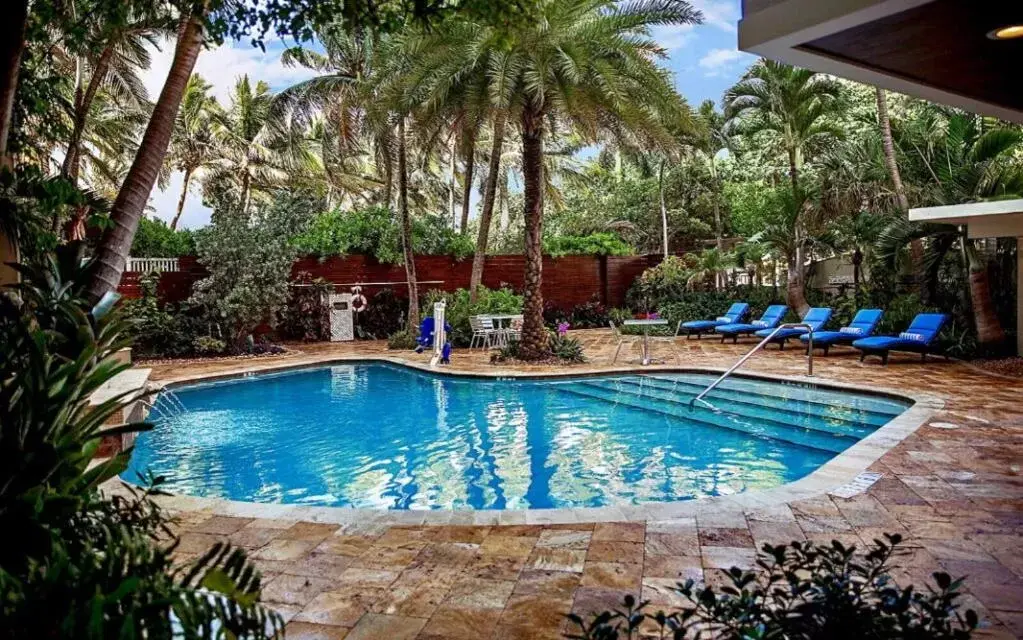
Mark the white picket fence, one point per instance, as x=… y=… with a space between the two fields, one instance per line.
x=152 y=265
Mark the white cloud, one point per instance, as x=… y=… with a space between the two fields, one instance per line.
x=721 y=14
x=221 y=67
x=718 y=61
x=673 y=37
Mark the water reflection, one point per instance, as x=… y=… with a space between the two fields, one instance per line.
x=385 y=437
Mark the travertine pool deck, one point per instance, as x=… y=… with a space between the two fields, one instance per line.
x=952 y=487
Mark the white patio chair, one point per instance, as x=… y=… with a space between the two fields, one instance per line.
x=483 y=332
x=670 y=339
x=617 y=336
x=513 y=331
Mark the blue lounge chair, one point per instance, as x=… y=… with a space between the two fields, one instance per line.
x=771 y=319
x=735 y=314
x=918 y=338
x=862 y=326
x=425 y=339
x=816 y=317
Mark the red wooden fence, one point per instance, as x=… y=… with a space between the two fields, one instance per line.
x=567 y=281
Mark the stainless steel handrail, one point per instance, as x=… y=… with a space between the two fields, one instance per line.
x=792 y=325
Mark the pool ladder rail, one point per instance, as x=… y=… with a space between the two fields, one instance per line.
x=749 y=354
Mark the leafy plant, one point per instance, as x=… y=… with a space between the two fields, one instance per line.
x=78 y=563
x=460 y=307
x=595 y=244
x=154 y=239
x=249 y=261
x=384 y=315
x=306 y=316
x=208 y=346
x=566 y=349
x=402 y=339
x=803 y=592
x=619 y=315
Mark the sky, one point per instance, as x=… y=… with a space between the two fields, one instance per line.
x=703 y=59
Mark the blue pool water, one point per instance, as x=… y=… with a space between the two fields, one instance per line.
x=383 y=436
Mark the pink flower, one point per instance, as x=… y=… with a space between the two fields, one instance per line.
x=563 y=328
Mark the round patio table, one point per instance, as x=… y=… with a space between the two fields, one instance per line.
x=646 y=324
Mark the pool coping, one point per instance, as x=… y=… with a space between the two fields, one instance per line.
x=841 y=469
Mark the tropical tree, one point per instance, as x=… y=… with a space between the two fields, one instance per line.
x=584 y=61
x=968 y=159
x=786 y=106
x=792 y=109
x=194 y=144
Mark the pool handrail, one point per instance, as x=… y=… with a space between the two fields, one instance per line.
x=749 y=354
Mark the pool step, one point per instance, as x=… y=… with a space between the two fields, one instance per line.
x=776 y=428
x=796 y=414
x=790 y=395
x=708 y=418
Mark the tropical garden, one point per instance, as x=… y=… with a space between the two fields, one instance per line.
x=455 y=128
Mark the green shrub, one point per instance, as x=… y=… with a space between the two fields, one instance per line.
x=306 y=316
x=78 y=563
x=459 y=308
x=802 y=592
x=384 y=314
x=373 y=231
x=403 y=339
x=595 y=244
x=157 y=330
x=208 y=346
x=667 y=282
x=154 y=239
x=619 y=315
x=566 y=349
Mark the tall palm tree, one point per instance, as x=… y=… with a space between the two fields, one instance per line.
x=967 y=161
x=788 y=106
x=194 y=144
x=791 y=108
x=584 y=61
x=714 y=140
x=246 y=164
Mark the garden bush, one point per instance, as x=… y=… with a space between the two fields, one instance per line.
x=159 y=330
x=306 y=316
x=801 y=591
x=459 y=308
x=402 y=339
x=595 y=244
x=384 y=314
x=154 y=239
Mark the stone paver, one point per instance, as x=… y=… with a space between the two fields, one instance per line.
x=953 y=489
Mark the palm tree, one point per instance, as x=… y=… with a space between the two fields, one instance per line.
x=967 y=161
x=791 y=108
x=194 y=144
x=246 y=162
x=142 y=175
x=587 y=62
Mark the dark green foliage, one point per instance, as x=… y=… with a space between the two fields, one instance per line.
x=402 y=339
x=159 y=330
x=803 y=592
x=76 y=563
x=306 y=316
x=373 y=231
x=587 y=315
x=459 y=308
x=566 y=349
x=594 y=244
x=619 y=315
x=700 y=305
x=154 y=239
x=384 y=314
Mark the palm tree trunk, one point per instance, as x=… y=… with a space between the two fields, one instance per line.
x=452 y=161
x=989 y=328
x=795 y=293
x=794 y=172
x=406 y=230
x=534 y=335
x=719 y=229
x=72 y=160
x=889 y=150
x=505 y=219
x=12 y=44
x=664 y=208
x=131 y=199
x=489 y=196
x=181 y=200
x=470 y=161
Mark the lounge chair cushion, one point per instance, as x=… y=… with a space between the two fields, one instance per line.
x=855 y=331
x=882 y=342
x=782 y=334
x=821 y=338
x=703 y=325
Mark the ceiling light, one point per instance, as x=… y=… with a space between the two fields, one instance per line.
x=1007 y=33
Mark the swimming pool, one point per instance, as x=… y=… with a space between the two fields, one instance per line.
x=384 y=436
